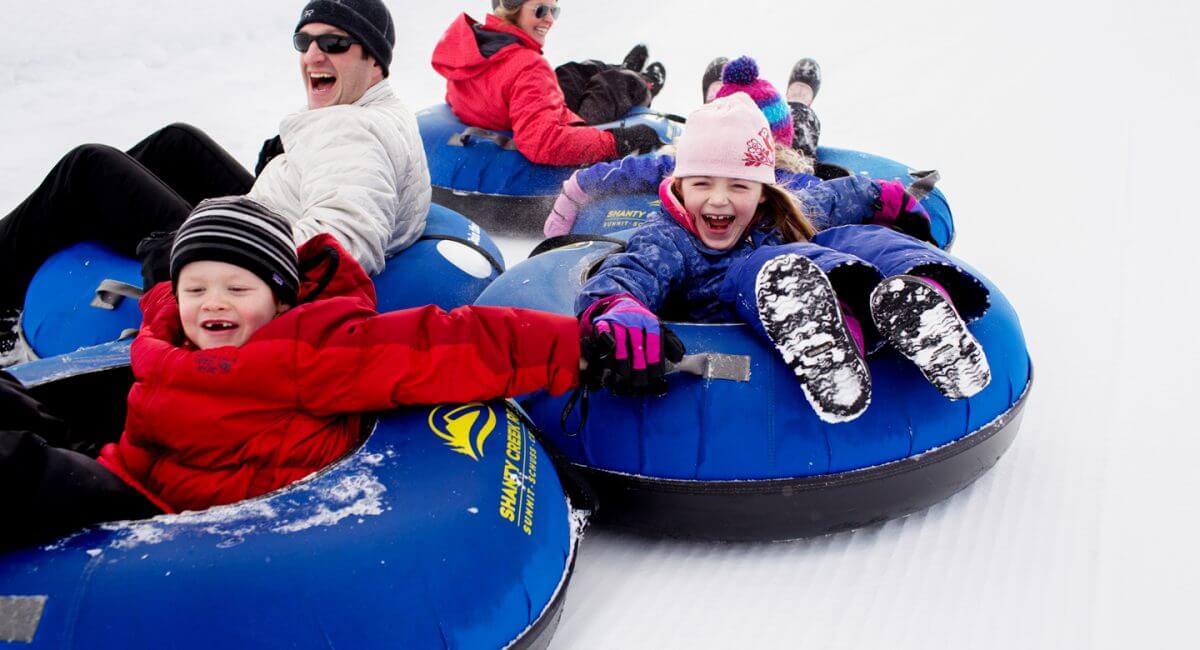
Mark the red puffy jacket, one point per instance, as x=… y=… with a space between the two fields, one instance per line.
x=497 y=78
x=207 y=427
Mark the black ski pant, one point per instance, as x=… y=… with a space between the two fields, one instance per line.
x=47 y=491
x=98 y=193
x=806 y=130
x=601 y=92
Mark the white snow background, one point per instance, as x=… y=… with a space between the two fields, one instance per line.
x=1066 y=133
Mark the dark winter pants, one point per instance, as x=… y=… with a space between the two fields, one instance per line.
x=806 y=130
x=856 y=258
x=98 y=193
x=601 y=92
x=47 y=491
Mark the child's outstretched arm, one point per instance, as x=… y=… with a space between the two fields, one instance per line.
x=630 y=175
x=429 y=356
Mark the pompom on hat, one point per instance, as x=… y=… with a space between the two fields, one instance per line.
x=728 y=137
x=741 y=76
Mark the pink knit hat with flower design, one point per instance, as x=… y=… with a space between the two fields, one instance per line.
x=741 y=76
x=727 y=137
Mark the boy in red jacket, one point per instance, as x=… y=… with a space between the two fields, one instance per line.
x=251 y=368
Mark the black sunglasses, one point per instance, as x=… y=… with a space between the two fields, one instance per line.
x=540 y=11
x=327 y=43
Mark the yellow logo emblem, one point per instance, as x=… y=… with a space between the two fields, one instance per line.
x=464 y=428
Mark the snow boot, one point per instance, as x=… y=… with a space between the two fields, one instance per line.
x=799 y=310
x=656 y=77
x=923 y=325
x=13 y=348
x=712 y=75
x=636 y=59
x=808 y=72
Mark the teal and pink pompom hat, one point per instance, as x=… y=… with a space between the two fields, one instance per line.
x=741 y=76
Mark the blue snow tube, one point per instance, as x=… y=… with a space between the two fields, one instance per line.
x=610 y=214
x=80 y=296
x=448 y=528
x=481 y=174
x=726 y=457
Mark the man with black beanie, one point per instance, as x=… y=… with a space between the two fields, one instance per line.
x=118 y=198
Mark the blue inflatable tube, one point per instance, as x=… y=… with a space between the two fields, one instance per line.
x=610 y=214
x=448 y=528
x=481 y=174
x=748 y=459
x=81 y=295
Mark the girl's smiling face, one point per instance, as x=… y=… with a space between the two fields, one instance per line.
x=722 y=208
x=221 y=304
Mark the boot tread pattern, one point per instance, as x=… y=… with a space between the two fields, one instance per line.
x=919 y=322
x=799 y=310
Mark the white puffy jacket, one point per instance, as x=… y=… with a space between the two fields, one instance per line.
x=356 y=171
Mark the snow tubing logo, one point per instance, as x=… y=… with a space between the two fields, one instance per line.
x=465 y=428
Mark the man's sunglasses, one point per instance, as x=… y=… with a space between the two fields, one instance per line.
x=327 y=43
x=540 y=11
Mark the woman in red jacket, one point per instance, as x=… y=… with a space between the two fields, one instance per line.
x=250 y=374
x=497 y=79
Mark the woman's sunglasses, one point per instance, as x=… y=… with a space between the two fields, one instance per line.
x=327 y=43
x=540 y=11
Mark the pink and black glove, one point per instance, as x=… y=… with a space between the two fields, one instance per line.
x=626 y=347
x=566 y=208
x=899 y=210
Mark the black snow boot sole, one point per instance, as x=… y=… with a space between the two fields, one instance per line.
x=712 y=74
x=636 y=58
x=919 y=322
x=799 y=309
x=807 y=71
x=656 y=77
x=13 y=347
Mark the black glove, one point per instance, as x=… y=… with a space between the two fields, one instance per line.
x=271 y=148
x=635 y=139
x=916 y=224
x=626 y=347
x=898 y=209
x=155 y=253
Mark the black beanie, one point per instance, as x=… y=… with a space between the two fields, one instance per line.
x=241 y=232
x=368 y=21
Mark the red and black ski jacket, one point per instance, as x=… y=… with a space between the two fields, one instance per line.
x=497 y=78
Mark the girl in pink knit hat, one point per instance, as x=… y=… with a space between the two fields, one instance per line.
x=731 y=245
x=642 y=174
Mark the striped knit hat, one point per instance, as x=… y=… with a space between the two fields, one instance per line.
x=741 y=76
x=241 y=232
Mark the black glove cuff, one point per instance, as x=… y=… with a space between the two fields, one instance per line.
x=635 y=139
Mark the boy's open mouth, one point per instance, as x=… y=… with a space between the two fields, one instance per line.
x=218 y=325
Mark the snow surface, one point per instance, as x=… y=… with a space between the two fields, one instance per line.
x=1066 y=133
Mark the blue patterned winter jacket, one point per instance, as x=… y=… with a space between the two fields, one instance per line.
x=675 y=275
